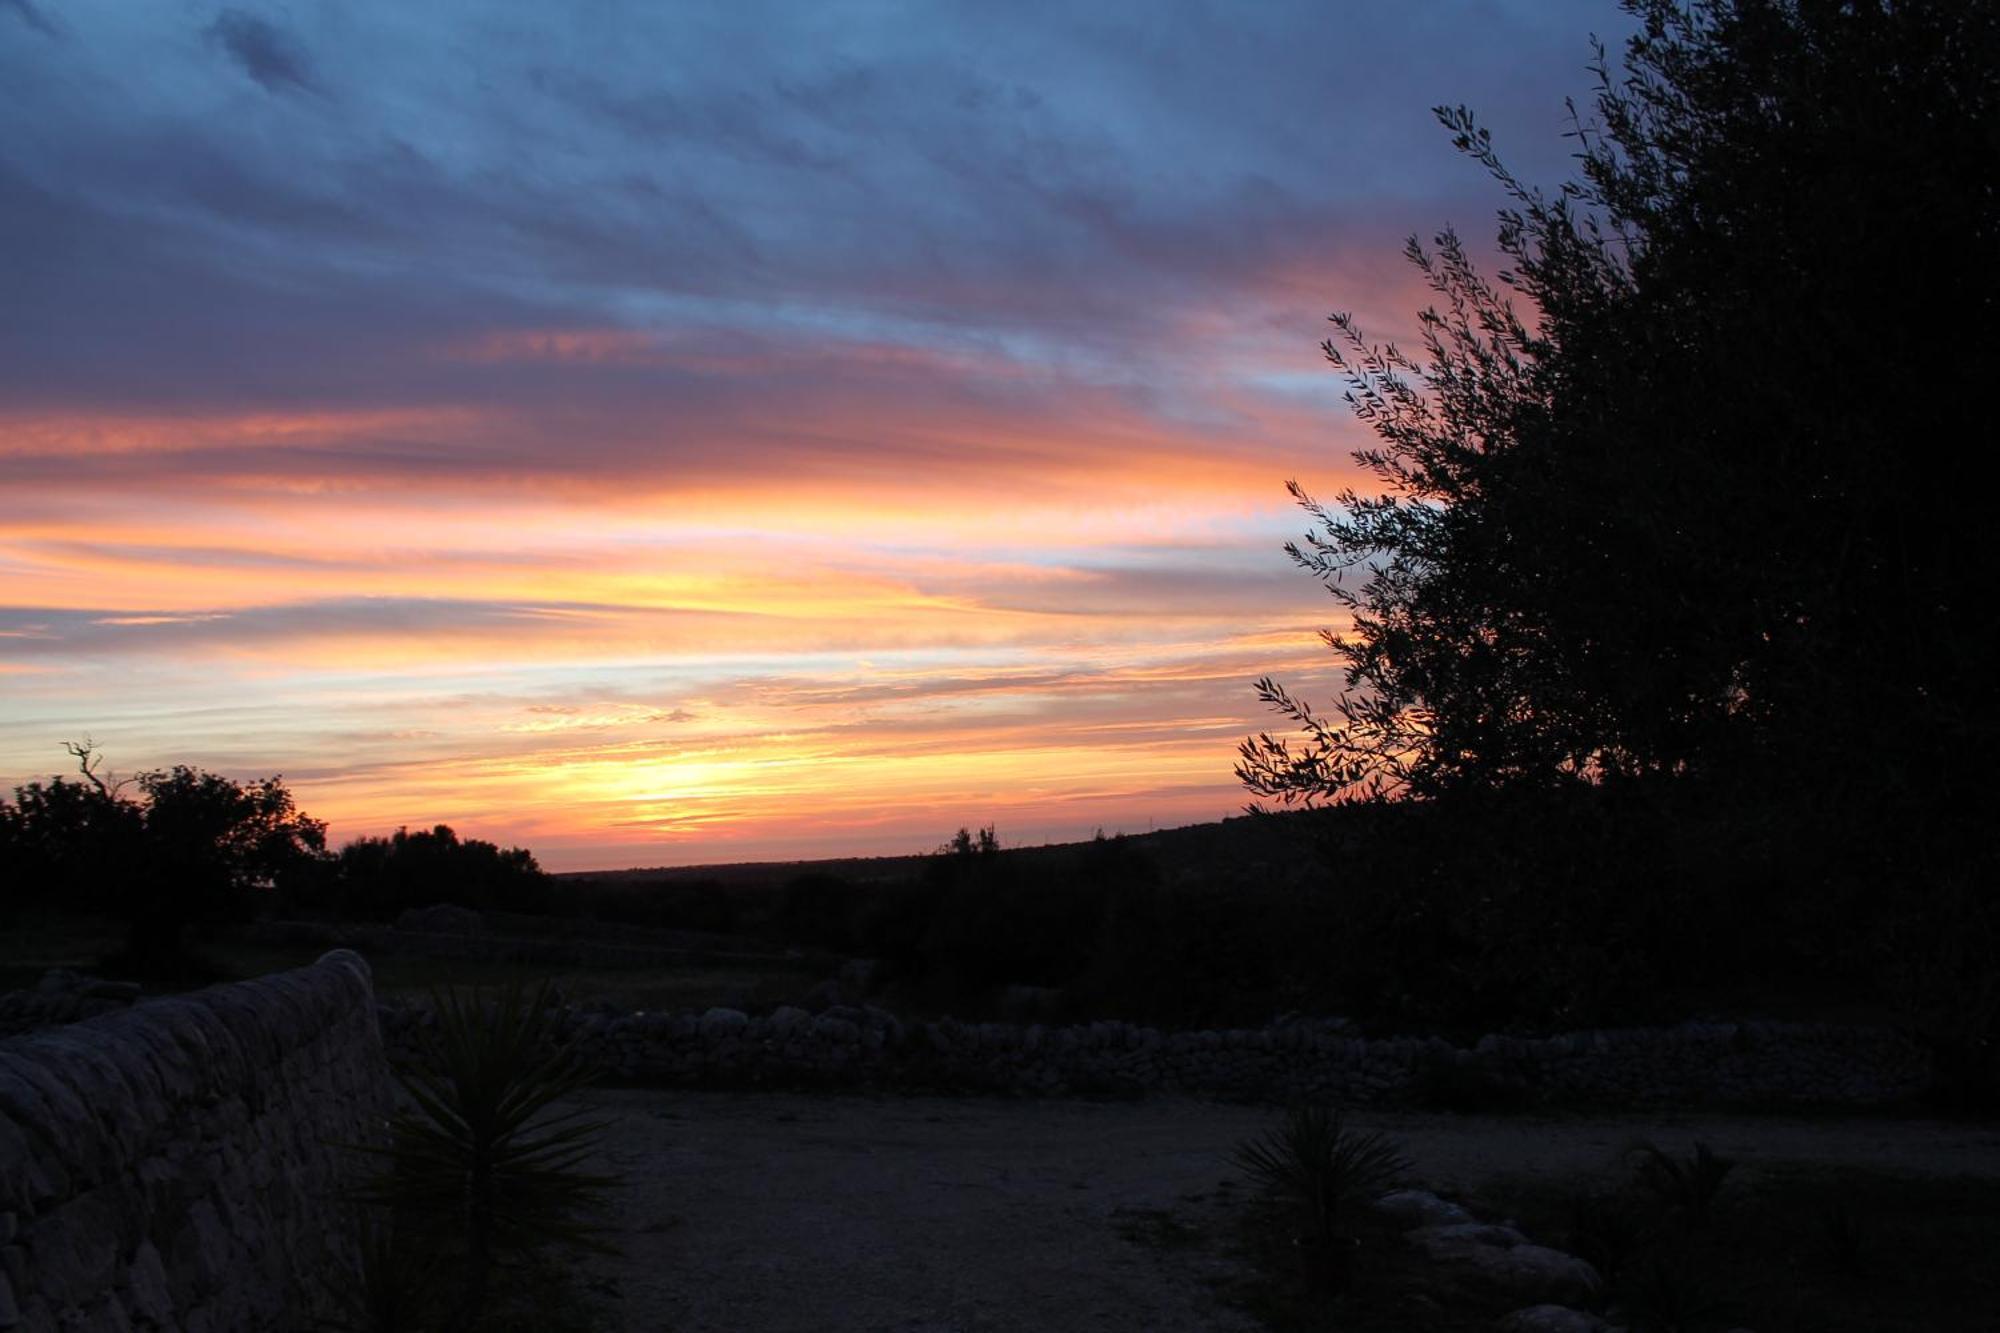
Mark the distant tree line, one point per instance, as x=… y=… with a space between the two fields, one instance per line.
x=173 y=850
x=375 y=878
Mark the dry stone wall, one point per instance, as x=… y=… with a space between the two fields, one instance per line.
x=1758 y=1064
x=173 y=1166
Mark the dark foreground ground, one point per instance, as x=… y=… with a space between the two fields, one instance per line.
x=765 y=1213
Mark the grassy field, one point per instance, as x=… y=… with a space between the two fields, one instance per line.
x=33 y=948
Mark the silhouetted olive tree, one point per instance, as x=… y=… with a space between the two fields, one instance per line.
x=1679 y=509
x=1699 y=504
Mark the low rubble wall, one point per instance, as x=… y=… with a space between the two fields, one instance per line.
x=1756 y=1064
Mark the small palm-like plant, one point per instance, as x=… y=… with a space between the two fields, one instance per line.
x=1606 y=1231
x=1315 y=1159
x=1684 y=1189
x=1672 y=1294
x=390 y=1291
x=482 y=1160
x=1843 y=1241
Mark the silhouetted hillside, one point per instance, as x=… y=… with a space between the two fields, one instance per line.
x=1524 y=910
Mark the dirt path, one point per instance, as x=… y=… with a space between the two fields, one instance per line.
x=775 y=1213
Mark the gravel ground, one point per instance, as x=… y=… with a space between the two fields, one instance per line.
x=800 y=1213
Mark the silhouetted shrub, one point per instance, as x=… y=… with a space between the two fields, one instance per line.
x=706 y=905
x=993 y=924
x=824 y=911
x=376 y=878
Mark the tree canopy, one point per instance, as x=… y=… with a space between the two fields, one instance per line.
x=379 y=877
x=1686 y=488
x=190 y=846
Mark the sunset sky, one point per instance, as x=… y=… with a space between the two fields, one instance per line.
x=667 y=433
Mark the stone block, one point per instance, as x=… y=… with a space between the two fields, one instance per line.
x=720 y=1022
x=1551 y=1319
x=106 y=1096
x=786 y=1018
x=1421 y=1208
x=18 y=1160
x=146 y=1280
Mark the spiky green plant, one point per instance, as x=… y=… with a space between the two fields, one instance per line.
x=1606 y=1231
x=1684 y=1188
x=482 y=1160
x=1843 y=1242
x=1315 y=1159
x=1672 y=1293
x=391 y=1289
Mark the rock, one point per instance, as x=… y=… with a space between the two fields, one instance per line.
x=859 y=976
x=786 y=1018
x=1501 y=1259
x=840 y=1030
x=1027 y=1004
x=1421 y=1309
x=1550 y=1319
x=442 y=919
x=720 y=1022
x=147 y=1279
x=1443 y=1240
x=1420 y=1208
x=1535 y=1273
x=62 y=997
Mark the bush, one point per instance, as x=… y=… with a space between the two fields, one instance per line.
x=992 y=925
x=706 y=905
x=376 y=878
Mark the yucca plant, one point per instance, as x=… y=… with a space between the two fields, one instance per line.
x=1672 y=1294
x=481 y=1161
x=1683 y=1188
x=391 y=1289
x=1607 y=1231
x=1315 y=1159
x=1843 y=1242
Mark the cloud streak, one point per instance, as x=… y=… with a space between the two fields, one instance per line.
x=263 y=50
